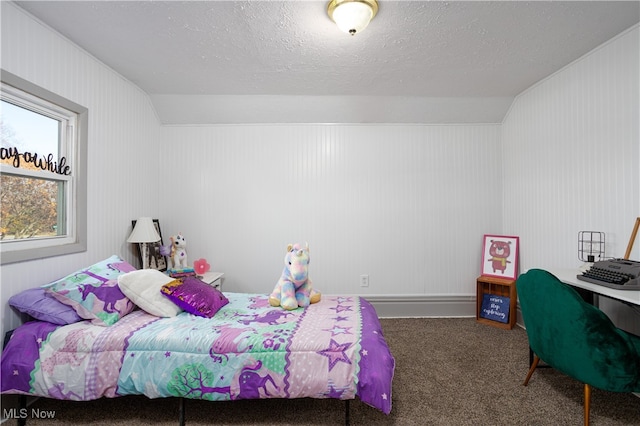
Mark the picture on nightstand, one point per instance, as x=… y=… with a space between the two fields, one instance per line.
x=156 y=260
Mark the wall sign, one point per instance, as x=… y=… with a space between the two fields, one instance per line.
x=495 y=308
x=42 y=163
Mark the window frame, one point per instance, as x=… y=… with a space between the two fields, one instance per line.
x=76 y=239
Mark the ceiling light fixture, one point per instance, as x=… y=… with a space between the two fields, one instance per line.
x=352 y=16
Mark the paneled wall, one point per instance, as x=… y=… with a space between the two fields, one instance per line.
x=405 y=204
x=122 y=147
x=571 y=150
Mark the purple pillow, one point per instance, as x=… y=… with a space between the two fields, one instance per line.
x=39 y=305
x=195 y=296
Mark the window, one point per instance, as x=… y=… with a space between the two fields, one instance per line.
x=42 y=171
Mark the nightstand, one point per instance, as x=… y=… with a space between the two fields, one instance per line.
x=214 y=279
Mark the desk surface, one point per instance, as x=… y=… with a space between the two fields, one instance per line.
x=568 y=276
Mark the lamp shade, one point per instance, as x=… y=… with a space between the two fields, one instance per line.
x=352 y=16
x=144 y=232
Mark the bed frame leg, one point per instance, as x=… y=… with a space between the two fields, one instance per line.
x=22 y=405
x=346 y=412
x=181 y=412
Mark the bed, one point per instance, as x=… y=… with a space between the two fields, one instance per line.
x=246 y=349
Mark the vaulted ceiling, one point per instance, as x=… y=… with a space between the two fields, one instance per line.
x=286 y=61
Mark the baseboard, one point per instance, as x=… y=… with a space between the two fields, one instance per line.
x=423 y=306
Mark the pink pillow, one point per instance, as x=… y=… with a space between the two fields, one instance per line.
x=195 y=296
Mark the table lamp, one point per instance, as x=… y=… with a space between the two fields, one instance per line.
x=144 y=232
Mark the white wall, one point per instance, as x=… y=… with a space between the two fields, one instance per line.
x=571 y=150
x=123 y=158
x=406 y=204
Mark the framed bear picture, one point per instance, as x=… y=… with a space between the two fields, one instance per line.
x=500 y=256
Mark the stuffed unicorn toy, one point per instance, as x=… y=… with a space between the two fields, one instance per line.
x=294 y=288
x=176 y=252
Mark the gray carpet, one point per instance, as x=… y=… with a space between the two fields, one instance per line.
x=448 y=372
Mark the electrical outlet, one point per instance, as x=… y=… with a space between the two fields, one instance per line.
x=364 y=280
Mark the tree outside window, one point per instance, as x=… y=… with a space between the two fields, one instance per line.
x=42 y=172
x=29 y=205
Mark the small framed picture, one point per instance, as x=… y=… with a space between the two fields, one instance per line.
x=155 y=260
x=500 y=256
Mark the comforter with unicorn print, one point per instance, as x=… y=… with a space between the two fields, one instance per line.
x=248 y=350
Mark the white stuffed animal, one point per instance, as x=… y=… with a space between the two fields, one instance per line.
x=178 y=251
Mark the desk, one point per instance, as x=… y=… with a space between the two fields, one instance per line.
x=568 y=276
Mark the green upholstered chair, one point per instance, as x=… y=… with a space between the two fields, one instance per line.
x=576 y=338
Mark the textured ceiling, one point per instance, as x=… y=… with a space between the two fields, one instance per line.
x=428 y=49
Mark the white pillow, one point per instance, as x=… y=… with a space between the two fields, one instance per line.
x=143 y=288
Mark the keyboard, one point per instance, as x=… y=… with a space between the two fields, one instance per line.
x=621 y=274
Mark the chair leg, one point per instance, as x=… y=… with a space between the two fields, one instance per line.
x=534 y=364
x=587 y=401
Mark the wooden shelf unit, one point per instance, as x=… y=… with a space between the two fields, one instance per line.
x=500 y=287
